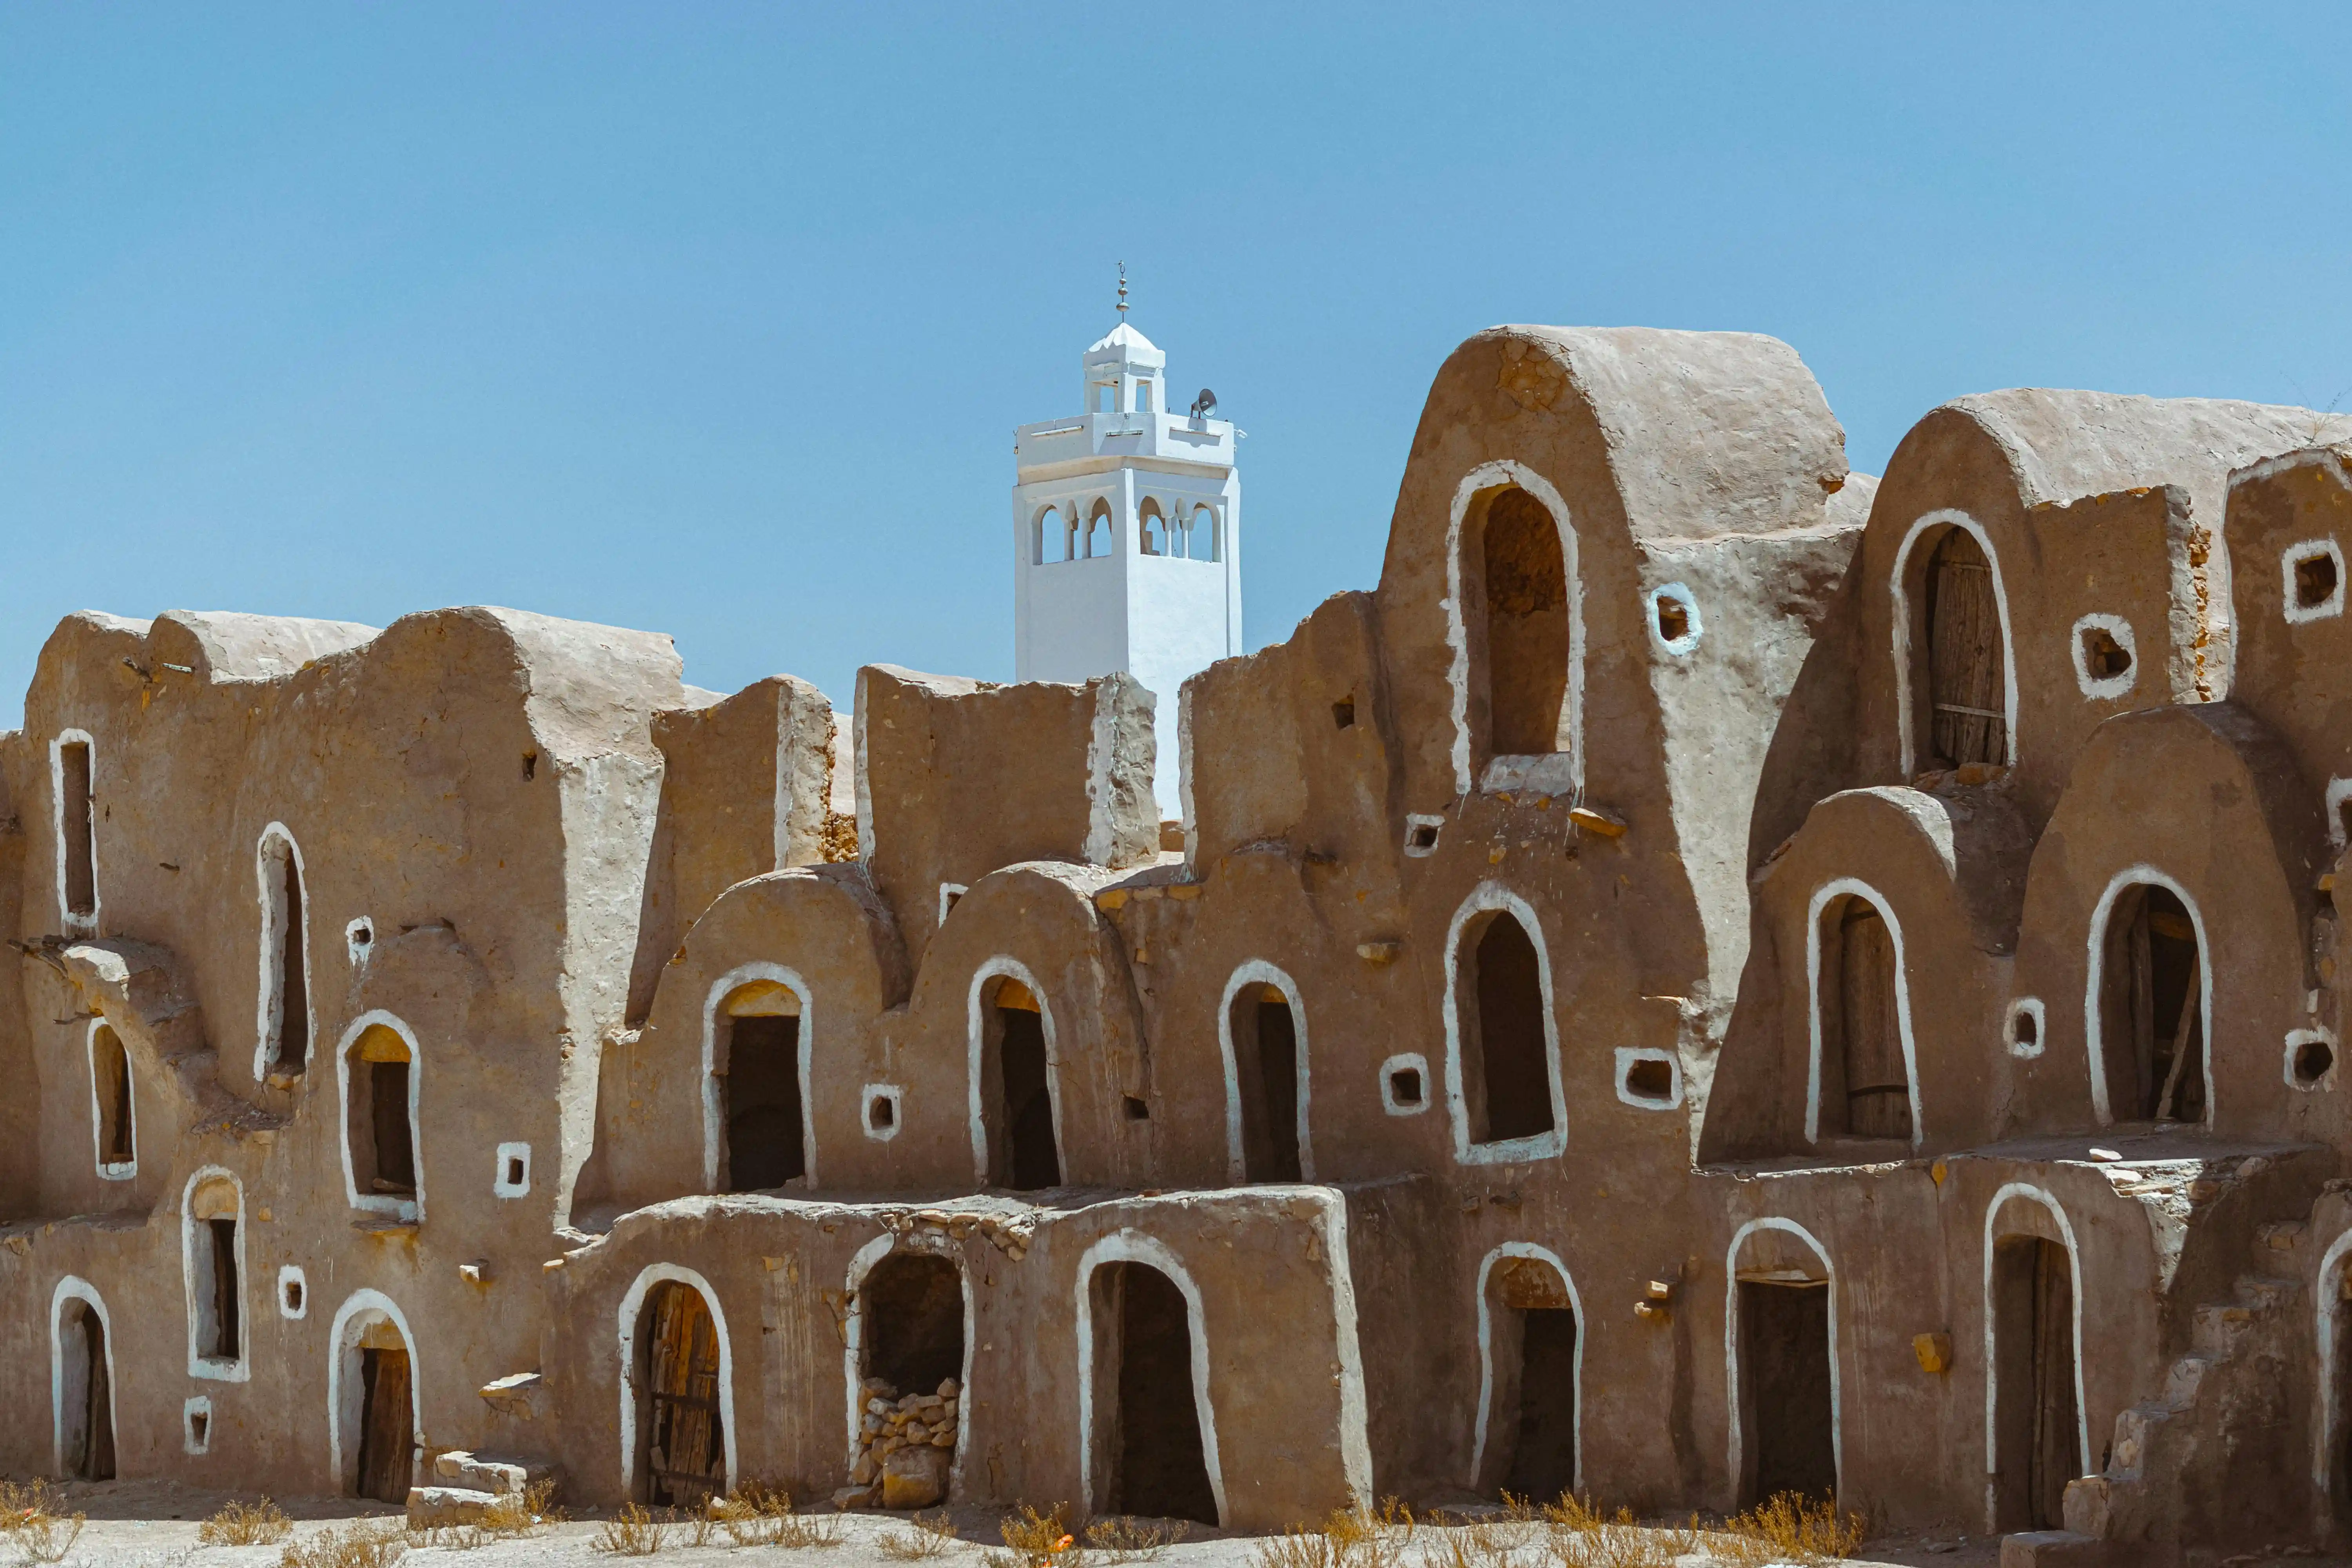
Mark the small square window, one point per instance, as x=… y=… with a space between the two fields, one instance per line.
x=1648 y=1077
x=2313 y=575
x=196 y=1424
x=1137 y=1109
x=358 y=940
x=293 y=1293
x=879 y=1110
x=512 y=1178
x=1421 y=833
x=2025 y=1023
x=1404 y=1085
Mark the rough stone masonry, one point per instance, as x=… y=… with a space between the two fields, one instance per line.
x=1718 y=975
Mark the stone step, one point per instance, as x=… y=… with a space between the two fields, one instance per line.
x=2136 y=1431
x=433 y=1508
x=2053 y=1549
x=2187 y=1376
x=484 y=1473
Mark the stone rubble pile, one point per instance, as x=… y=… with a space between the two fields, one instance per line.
x=906 y=1444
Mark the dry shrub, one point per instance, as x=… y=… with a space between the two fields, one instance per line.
x=1037 y=1541
x=635 y=1531
x=1123 y=1541
x=1350 y=1537
x=756 y=1514
x=1787 y=1529
x=262 y=1523
x=33 y=1520
x=929 y=1538
x=362 y=1544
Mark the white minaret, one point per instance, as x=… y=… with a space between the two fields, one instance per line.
x=1126 y=544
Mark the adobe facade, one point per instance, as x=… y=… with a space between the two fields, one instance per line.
x=1718 y=975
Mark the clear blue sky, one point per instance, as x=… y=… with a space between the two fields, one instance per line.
x=716 y=319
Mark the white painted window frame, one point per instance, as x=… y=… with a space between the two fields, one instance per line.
x=499 y=1186
x=2111 y=688
x=2296 y=615
x=1258 y=971
x=267 y=1025
x=196 y=1273
x=291 y=1274
x=1853 y=887
x=2026 y=1007
x=1628 y=1056
x=409 y=1210
x=1496 y=899
x=1406 y=1061
x=69 y=922
x=2298 y=1038
x=196 y=1404
x=119 y=1171
x=1493 y=476
x=1680 y=593
x=867 y=1098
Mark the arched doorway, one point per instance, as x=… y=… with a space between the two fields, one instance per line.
x=81 y=1383
x=2036 y=1442
x=908 y=1350
x=1967 y=682
x=2155 y=983
x=1265 y=1063
x=1145 y=1418
x=1530 y=1349
x=1781 y=1339
x=682 y=1427
x=1019 y=1144
x=1864 y=1086
x=758 y=1090
x=1524 y=622
x=1502 y=1056
x=372 y=1391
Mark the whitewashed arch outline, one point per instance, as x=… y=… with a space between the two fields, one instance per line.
x=1842 y=888
x=126 y=1171
x=2094 y=1029
x=632 y=1304
x=726 y=985
x=1490 y=475
x=1902 y=638
x=410 y=1210
x=1732 y=1341
x=217 y=1369
x=1486 y=1354
x=74 y=1288
x=1132 y=1246
x=2026 y=1191
x=866 y=1260
x=272 y=944
x=360 y=1308
x=1007 y=967
x=1258 y=971
x=1485 y=897
x=2324 y=1415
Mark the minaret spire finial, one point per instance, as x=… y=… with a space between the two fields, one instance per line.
x=1122 y=292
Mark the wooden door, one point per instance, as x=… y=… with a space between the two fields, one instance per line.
x=97 y=1420
x=685 y=1443
x=1965 y=680
x=387 y=1428
x=1877 y=1085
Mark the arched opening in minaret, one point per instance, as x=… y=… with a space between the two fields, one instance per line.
x=1098 y=530
x=1151 y=530
x=1200 y=535
x=1523 y=594
x=1052 y=537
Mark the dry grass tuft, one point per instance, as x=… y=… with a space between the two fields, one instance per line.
x=262 y=1523
x=928 y=1538
x=756 y=1514
x=1787 y=1529
x=635 y=1531
x=33 y=1521
x=1350 y=1537
x=1125 y=1540
x=362 y=1544
x=1037 y=1541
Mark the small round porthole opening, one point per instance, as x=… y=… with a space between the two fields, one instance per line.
x=1675 y=618
x=2310 y=1059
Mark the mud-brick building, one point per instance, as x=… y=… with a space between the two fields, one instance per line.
x=1718 y=975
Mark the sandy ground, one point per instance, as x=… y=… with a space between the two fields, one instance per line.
x=147 y=1524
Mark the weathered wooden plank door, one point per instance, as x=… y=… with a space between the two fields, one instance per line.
x=387 y=1434
x=686 y=1453
x=1965 y=674
x=1877 y=1084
